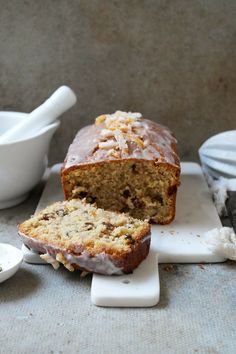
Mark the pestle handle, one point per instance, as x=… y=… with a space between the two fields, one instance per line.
x=59 y=102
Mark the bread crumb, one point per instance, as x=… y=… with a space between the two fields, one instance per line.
x=201 y=266
x=168 y=267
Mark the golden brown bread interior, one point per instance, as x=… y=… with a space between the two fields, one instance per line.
x=124 y=163
x=81 y=236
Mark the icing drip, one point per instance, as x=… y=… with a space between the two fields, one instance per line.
x=101 y=263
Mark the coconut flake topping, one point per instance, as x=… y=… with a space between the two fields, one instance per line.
x=120 y=128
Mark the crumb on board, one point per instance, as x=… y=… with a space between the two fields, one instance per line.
x=201 y=266
x=84 y=273
x=168 y=267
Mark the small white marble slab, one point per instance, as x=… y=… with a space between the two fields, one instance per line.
x=139 y=289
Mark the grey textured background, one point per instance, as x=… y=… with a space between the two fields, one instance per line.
x=174 y=61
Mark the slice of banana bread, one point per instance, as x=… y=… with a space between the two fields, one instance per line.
x=81 y=236
x=124 y=163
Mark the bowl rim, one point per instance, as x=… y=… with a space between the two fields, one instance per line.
x=41 y=132
x=217 y=136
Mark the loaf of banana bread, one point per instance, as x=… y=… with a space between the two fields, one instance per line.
x=81 y=236
x=124 y=163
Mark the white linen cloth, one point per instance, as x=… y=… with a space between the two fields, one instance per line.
x=221 y=241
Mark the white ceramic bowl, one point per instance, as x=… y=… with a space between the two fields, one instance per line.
x=10 y=261
x=218 y=155
x=23 y=163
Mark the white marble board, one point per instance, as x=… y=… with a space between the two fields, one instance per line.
x=180 y=242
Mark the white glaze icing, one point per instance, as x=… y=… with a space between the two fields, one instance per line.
x=144 y=239
x=145 y=140
x=100 y=263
